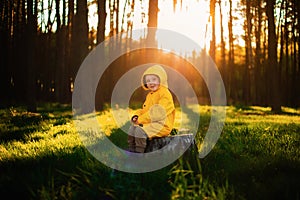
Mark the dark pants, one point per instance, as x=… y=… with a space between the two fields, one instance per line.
x=137 y=139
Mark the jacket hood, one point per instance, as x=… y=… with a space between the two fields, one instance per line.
x=158 y=71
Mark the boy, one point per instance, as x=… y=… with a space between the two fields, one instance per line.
x=157 y=116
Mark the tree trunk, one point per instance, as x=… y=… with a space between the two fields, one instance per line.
x=249 y=56
x=295 y=62
x=152 y=21
x=69 y=46
x=298 y=67
x=80 y=36
x=31 y=64
x=212 y=49
x=223 y=55
x=258 y=65
x=18 y=45
x=5 y=48
x=287 y=54
x=272 y=58
x=111 y=5
x=59 y=59
x=101 y=21
x=65 y=78
x=230 y=64
x=117 y=10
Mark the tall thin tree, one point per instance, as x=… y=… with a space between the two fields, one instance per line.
x=101 y=20
x=258 y=58
x=223 y=56
x=231 y=61
x=152 y=20
x=31 y=34
x=212 y=49
x=274 y=96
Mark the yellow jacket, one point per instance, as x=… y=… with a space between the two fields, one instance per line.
x=158 y=113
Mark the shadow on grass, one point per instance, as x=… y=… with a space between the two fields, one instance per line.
x=250 y=110
x=118 y=136
x=17 y=124
x=77 y=175
x=45 y=176
x=258 y=165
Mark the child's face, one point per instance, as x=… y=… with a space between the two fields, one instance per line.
x=152 y=82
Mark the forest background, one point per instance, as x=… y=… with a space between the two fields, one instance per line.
x=255 y=45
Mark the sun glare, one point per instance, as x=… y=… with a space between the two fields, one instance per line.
x=189 y=18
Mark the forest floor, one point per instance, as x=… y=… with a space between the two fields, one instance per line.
x=256 y=157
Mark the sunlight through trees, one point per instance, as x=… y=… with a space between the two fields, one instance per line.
x=255 y=44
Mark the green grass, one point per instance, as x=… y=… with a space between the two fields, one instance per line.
x=256 y=157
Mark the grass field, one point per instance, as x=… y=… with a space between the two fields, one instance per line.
x=256 y=157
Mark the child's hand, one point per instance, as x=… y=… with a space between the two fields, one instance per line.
x=134 y=119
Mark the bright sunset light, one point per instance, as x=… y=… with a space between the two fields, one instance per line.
x=190 y=18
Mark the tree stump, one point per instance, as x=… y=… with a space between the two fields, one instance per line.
x=177 y=144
